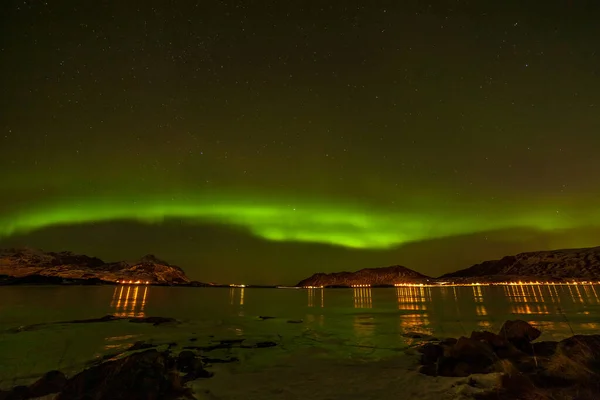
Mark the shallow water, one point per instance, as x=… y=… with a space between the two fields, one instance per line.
x=342 y=324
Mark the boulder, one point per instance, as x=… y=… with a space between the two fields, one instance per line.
x=477 y=355
x=519 y=330
x=544 y=349
x=520 y=334
x=489 y=337
x=500 y=345
x=147 y=375
x=430 y=353
x=577 y=358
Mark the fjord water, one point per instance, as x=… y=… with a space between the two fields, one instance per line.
x=359 y=323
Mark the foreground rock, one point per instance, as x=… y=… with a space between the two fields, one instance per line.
x=147 y=375
x=29 y=266
x=538 y=370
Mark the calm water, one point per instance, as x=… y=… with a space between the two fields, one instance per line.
x=344 y=321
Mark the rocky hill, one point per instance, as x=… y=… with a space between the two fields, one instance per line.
x=581 y=264
x=29 y=262
x=367 y=276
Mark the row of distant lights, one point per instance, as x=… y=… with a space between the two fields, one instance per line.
x=472 y=284
x=236 y=285
x=134 y=282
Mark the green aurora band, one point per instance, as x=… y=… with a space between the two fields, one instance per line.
x=326 y=223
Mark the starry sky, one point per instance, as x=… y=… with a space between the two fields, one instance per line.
x=261 y=141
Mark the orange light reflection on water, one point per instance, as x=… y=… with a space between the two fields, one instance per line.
x=130 y=303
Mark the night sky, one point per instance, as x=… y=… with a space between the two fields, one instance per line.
x=261 y=141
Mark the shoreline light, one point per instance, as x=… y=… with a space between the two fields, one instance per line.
x=473 y=284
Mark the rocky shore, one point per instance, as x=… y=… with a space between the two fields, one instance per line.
x=510 y=364
x=144 y=371
x=525 y=368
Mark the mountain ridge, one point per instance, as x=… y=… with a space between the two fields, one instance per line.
x=545 y=265
x=577 y=263
x=372 y=276
x=23 y=262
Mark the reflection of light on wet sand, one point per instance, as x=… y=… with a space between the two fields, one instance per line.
x=316 y=292
x=129 y=302
x=362 y=297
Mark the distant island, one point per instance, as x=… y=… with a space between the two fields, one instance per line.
x=372 y=276
x=35 y=266
x=542 y=266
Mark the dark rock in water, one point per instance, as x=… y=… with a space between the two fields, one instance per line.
x=152 y=320
x=230 y=342
x=185 y=360
x=220 y=360
x=262 y=345
x=264 y=317
x=106 y=318
x=295 y=321
x=196 y=370
x=141 y=346
x=430 y=353
x=193 y=339
x=258 y=345
x=50 y=382
x=147 y=375
x=416 y=335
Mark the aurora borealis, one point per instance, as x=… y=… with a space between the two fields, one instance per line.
x=250 y=141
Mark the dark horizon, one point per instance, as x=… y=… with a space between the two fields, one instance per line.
x=248 y=142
